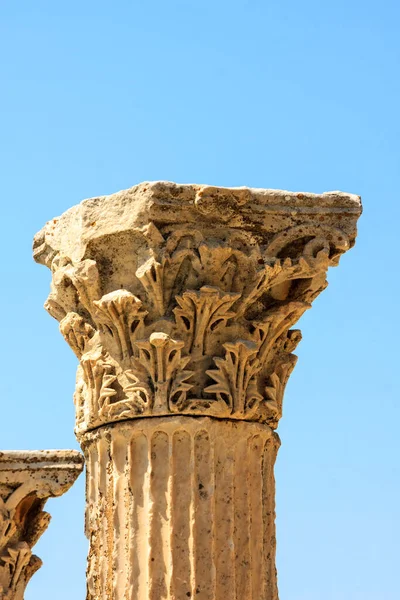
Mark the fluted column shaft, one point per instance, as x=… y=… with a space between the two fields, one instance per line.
x=181 y=508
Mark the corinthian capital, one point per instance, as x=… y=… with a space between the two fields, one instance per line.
x=27 y=480
x=180 y=299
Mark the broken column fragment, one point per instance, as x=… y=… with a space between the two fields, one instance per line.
x=27 y=480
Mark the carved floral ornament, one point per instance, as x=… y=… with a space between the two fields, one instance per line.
x=17 y=563
x=27 y=480
x=204 y=328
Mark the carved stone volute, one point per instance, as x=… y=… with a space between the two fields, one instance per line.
x=180 y=299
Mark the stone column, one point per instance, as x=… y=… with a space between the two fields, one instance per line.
x=27 y=480
x=178 y=301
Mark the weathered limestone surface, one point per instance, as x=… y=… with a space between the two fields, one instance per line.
x=27 y=480
x=181 y=508
x=178 y=301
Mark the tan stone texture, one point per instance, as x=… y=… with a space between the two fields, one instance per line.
x=181 y=508
x=27 y=480
x=178 y=301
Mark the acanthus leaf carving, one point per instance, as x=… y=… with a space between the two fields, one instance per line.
x=189 y=261
x=276 y=324
x=276 y=389
x=151 y=275
x=21 y=564
x=98 y=376
x=198 y=305
x=200 y=313
x=76 y=332
x=161 y=356
x=276 y=276
x=234 y=377
x=74 y=287
x=158 y=274
x=122 y=315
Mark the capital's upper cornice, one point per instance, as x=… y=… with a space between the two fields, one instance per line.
x=261 y=211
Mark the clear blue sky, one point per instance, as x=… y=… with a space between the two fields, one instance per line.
x=302 y=95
